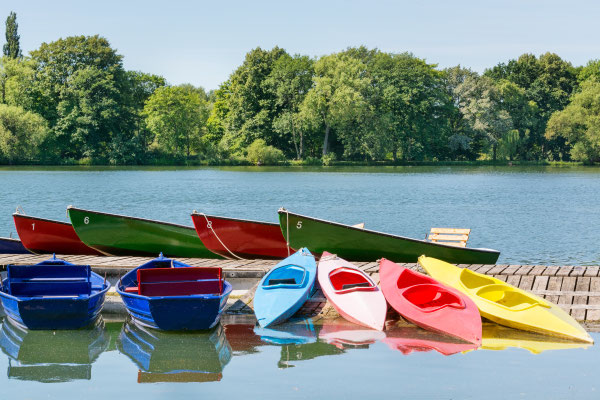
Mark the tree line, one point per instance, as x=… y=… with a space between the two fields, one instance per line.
x=71 y=101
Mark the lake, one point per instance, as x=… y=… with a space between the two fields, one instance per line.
x=299 y=360
x=533 y=215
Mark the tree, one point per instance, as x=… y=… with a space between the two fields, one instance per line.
x=177 y=117
x=548 y=81
x=579 y=123
x=289 y=81
x=16 y=80
x=251 y=105
x=11 y=48
x=590 y=71
x=409 y=100
x=479 y=102
x=337 y=99
x=21 y=134
x=261 y=154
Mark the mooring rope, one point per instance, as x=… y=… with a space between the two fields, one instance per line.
x=287 y=236
x=209 y=226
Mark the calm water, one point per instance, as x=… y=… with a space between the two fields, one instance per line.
x=304 y=359
x=533 y=215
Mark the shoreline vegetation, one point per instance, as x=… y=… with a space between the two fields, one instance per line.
x=71 y=102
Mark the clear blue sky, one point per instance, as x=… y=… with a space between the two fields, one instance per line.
x=203 y=42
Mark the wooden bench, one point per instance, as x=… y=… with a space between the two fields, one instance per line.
x=450 y=236
x=44 y=280
x=178 y=281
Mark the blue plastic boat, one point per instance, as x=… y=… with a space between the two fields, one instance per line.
x=175 y=356
x=169 y=295
x=53 y=294
x=12 y=246
x=284 y=289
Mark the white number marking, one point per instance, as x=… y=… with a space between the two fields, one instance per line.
x=86 y=220
x=299 y=225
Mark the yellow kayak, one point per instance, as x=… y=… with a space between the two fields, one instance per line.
x=497 y=337
x=505 y=304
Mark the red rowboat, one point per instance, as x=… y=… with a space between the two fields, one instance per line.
x=239 y=238
x=427 y=303
x=41 y=236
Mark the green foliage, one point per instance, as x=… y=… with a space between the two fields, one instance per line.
x=579 y=123
x=177 y=116
x=260 y=153
x=12 y=48
x=21 y=134
x=590 y=71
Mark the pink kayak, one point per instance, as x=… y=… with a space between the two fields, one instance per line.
x=429 y=304
x=351 y=292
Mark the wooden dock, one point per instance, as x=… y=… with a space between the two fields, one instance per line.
x=576 y=289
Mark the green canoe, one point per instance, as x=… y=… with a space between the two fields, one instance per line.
x=358 y=244
x=119 y=235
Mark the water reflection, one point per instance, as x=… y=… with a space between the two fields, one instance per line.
x=411 y=339
x=346 y=335
x=292 y=332
x=497 y=337
x=175 y=356
x=52 y=356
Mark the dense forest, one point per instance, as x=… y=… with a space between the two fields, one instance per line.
x=72 y=102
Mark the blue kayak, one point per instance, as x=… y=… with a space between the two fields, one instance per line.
x=284 y=289
x=53 y=294
x=169 y=295
x=12 y=246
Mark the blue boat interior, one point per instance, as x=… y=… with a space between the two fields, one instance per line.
x=40 y=281
x=285 y=276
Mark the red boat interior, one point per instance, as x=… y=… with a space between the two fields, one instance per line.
x=432 y=297
x=347 y=279
x=410 y=278
x=178 y=281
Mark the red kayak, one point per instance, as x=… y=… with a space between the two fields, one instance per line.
x=41 y=236
x=427 y=303
x=239 y=238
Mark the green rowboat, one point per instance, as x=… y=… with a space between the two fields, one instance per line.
x=358 y=244
x=119 y=235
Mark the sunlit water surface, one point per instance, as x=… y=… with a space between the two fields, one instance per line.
x=533 y=215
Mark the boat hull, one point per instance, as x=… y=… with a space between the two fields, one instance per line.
x=43 y=236
x=12 y=246
x=505 y=304
x=172 y=313
x=245 y=239
x=277 y=303
x=119 y=235
x=363 y=307
x=458 y=319
x=357 y=244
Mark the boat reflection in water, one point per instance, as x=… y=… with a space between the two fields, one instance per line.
x=175 y=356
x=52 y=356
x=298 y=341
x=346 y=335
x=411 y=339
x=498 y=337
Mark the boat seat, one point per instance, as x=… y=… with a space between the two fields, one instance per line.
x=179 y=281
x=58 y=280
x=353 y=285
x=131 y=289
x=450 y=236
x=290 y=281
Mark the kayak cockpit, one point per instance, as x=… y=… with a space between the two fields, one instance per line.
x=428 y=297
x=505 y=296
x=472 y=280
x=346 y=280
x=409 y=278
x=291 y=276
